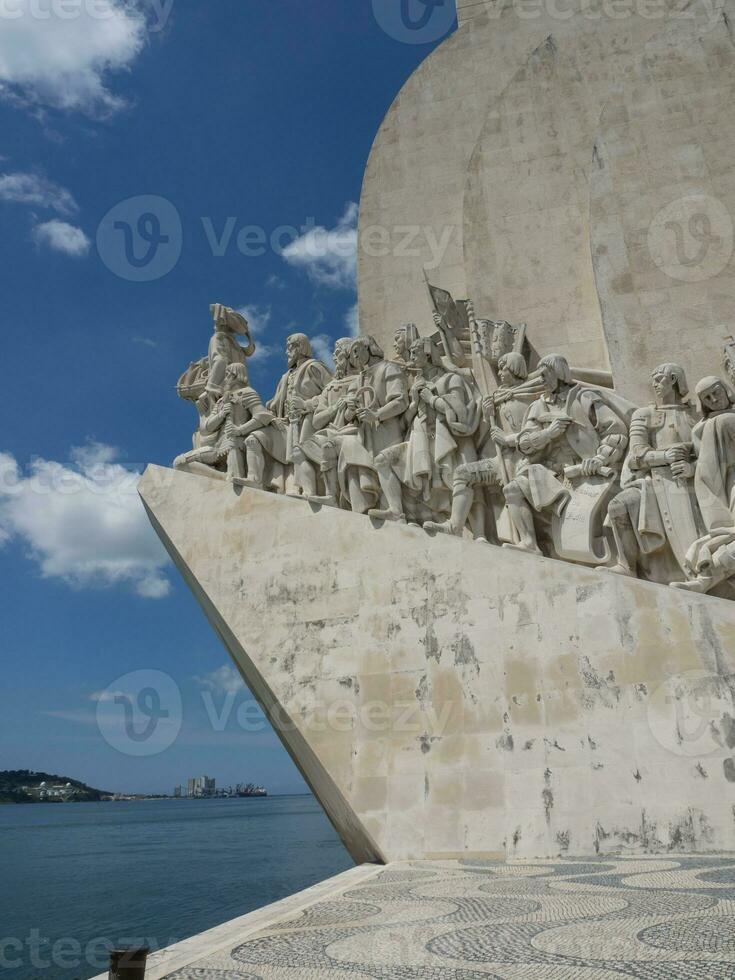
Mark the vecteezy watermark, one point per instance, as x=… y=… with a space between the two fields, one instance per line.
x=154 y=13
x=691 y=239
x=140 y=714
x=415 y=21
x=36 y=952
x=141 y=238
x=692 y=714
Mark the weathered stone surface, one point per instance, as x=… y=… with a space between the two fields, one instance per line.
x=448 y=698
x=570 y=166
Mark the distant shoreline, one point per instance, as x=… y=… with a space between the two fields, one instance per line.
x=153 y=799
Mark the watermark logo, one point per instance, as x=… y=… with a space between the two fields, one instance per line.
x=415 y=21
x=140 y=714
x=155 y=14
x=692 y=238
x=141 y=238
x=690 y=714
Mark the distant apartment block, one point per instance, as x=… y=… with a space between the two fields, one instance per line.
x=200 y=786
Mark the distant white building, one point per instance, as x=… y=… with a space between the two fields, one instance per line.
x=201 y=786
x=51 y=791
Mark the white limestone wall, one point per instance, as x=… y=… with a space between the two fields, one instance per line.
x=445 y=698
x=576 y=161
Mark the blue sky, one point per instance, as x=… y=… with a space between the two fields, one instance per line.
x=239 y=114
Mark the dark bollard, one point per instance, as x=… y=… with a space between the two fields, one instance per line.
x=128 y=963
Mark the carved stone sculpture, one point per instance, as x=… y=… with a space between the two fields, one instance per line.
x=569 y=434
x=223 y=429
x=403 y=340
x=328 y=421
x=416 y=475
x=503 y=414
x=224 y=348
x=711 y=559
x=377 y=398
x=457 y=434
x=655 y=518
x=293 y=408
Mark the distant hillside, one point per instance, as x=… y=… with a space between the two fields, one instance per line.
x=24 y=786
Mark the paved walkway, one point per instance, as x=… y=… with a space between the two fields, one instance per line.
x=650 y=918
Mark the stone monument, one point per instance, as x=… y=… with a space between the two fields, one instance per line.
x=483 y=584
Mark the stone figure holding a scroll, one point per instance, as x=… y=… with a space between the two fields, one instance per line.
x=655 y=519
x=571 y=432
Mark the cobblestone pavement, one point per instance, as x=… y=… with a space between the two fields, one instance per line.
x=649 y=918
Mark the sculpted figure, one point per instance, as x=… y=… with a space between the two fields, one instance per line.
x=568 y=433
x=416 y=475
x=223 y=429
x=403 y=338
x=654 y=519
x=224 y=348
x=293 y=408
x=328 y=422
x=377 y=398
x=711 y=559
x=502 y=340
x=504 y=413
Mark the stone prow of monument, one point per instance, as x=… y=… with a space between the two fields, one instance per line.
x=444 y=698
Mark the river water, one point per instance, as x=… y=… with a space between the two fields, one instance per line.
x=75 y=878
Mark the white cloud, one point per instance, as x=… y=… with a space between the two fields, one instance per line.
x=329 y=257
x=352 y=320
x=105 y=696
x=224 y=680
x=25 y=188
x=263 y=353
x=275 y=282
x=259 y=317
x=322 y=346
x=83 y=523
x=62 y=237
x=60 y=54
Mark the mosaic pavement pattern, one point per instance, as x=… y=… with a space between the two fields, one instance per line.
x=649 y=918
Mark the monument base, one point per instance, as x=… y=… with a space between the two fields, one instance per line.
x=449 y=699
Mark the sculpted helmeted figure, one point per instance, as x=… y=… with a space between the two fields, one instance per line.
x=655 y=519
x=569 y=432
x=293 y=408
x=416 y=475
